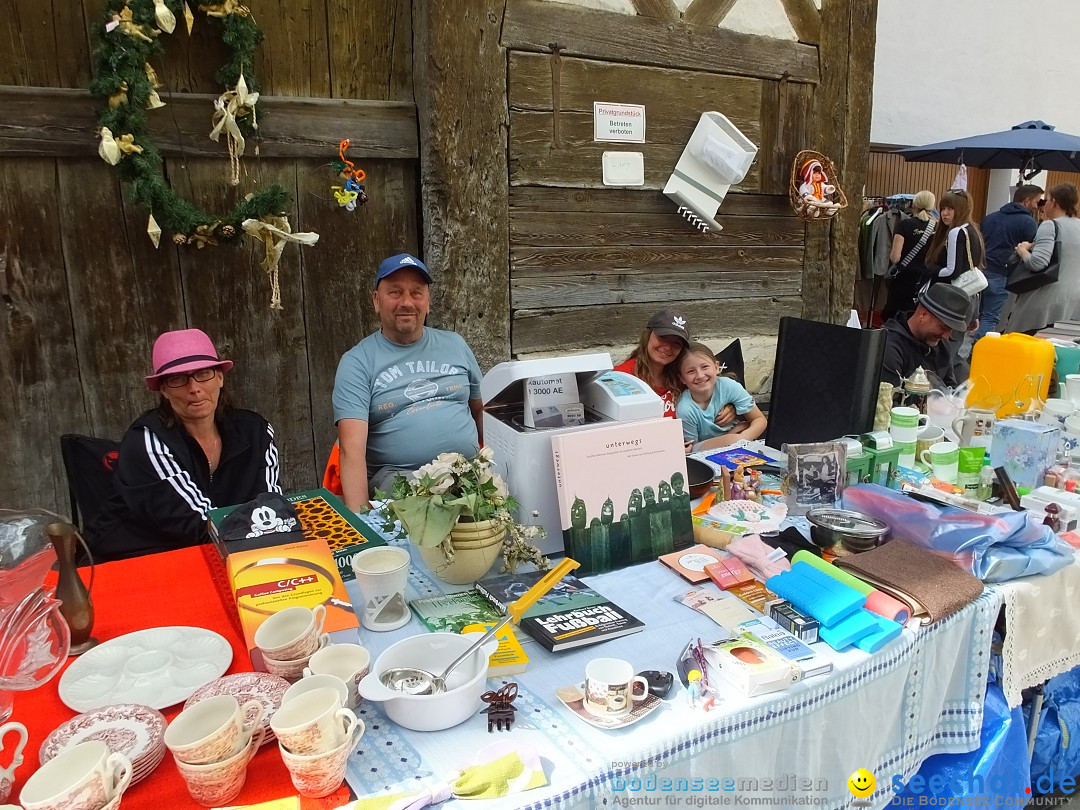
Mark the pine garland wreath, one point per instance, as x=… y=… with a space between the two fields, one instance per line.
x=129 y=37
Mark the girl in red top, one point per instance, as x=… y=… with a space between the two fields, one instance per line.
x=655 y=361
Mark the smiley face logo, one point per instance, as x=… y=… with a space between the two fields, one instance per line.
x=861 y=783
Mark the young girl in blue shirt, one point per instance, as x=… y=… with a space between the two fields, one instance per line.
x=706 y=393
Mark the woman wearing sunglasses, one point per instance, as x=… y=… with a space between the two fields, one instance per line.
x=1060 y=300
x=190 y=454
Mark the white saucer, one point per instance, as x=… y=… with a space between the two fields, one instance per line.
x=573 y=698
x=159 y=667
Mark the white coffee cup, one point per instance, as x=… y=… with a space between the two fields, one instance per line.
x=83 y=777
x=943 y=459
x=320 y=774
x=381 y=575
x=291 y=633
x=217 y=783
x=974 y=422
x=1072 y=388
x=7 y=775
x=1056 y=411
x=350 y=662
x=609 y=687
x=293 y=670
x=313 y=723
x=213 y=730
x=309 y=683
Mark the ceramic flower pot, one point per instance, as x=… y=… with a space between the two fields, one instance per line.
x=477 y=545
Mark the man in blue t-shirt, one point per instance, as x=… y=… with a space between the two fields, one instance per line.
x=405 y=394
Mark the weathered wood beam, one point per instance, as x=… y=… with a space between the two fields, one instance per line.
x=621 y=200
x=564 y=229
x=804 y=18
x=571 y=329
x=660 y=9
x=707 y=12
x=841 y=129
x=460 y=82
x=531 y=25
x=55 y=122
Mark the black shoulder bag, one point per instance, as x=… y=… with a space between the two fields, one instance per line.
x=1023 y=279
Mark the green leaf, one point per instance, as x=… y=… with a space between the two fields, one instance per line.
x=427 y=520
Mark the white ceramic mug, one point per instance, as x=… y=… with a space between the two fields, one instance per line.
x=943 y=459
x=83 y=777
x=217 y=783
x=907 y=454
x=350 y=662
x=309 y=683
x=973 y=423
x=1072 y=388
x=609 y=687
x=7 y=774
x=291 y=633
x=313 y=723
x=213 y=730
x=381 y=575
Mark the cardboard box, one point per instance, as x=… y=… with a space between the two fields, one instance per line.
x=322 y=516
x=266 y=580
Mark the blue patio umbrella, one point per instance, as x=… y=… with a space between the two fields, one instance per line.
x=1031 y=147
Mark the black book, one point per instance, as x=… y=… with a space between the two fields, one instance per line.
x=570 y=615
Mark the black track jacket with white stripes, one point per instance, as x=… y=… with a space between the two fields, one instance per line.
x=164 y=487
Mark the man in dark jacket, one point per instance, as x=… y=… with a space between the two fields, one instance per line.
x=920 y=340
x=1002 y=231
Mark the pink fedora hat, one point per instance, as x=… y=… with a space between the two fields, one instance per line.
x=181 y=352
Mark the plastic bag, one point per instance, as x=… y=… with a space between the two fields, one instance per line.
x=994 y=548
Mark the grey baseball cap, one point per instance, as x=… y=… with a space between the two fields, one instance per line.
x=948 y=304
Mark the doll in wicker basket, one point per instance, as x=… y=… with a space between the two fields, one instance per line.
x=816 y=189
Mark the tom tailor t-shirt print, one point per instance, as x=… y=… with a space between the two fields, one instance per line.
x=414 y=398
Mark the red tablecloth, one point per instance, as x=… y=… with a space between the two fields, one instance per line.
x=184 y=587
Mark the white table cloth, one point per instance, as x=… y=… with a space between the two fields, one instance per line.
x=921 y=695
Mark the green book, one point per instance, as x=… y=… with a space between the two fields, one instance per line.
x=450 y=613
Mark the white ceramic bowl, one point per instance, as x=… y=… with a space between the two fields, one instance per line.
x=432 y=652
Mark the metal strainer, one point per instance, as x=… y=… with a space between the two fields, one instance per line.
x=416 y=681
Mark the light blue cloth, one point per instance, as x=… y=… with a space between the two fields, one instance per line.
x=414 y=398
x=994 y=548
x=698 y=423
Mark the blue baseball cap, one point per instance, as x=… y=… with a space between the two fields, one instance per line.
x=395 y=263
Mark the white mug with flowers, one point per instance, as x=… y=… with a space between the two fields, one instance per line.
x=430 y=501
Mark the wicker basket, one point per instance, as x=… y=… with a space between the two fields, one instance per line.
x=810 y=210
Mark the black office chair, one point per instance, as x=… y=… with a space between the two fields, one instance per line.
x=90 y=463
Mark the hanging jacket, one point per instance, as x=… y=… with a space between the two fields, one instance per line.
x=165 y=490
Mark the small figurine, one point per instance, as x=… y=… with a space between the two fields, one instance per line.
x=501 y=708
x=738 y=487
x=815 y=184
x=352 y=193
x=1052 y=520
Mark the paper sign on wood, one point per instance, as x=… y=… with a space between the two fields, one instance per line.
x=619 y=123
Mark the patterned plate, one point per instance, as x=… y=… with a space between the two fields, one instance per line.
x=270 y=689
x=136 y=731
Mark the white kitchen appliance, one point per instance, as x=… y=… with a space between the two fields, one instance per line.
x=523 y=454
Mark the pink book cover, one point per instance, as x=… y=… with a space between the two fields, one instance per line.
x=622 y=490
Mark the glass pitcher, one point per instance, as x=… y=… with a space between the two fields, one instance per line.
x=34 y=638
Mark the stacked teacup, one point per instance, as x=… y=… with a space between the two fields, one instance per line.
x=83 y=777
x=289 y=638
x=316 y=734
x=212 y=743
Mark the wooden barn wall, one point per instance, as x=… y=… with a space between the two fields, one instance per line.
x=589 y=263
x=84 y=292
x=890 y=174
